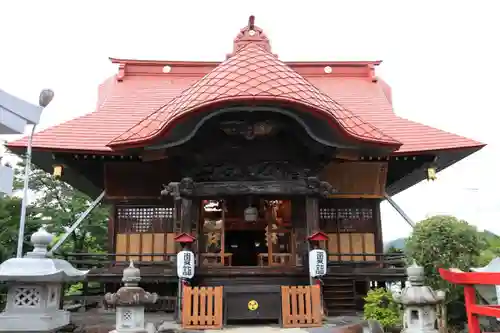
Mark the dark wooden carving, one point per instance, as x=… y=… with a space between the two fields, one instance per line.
x=267 y=170
x=310 y=186
x=171 y=189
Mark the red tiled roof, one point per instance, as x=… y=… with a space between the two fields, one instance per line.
x=127 y=102
x=145 y=100
x=252 y=74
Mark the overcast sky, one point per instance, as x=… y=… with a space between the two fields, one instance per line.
x=440 y=57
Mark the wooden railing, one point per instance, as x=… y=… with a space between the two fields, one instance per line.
x=100 y=260
x=215 y=259
x=277 y=259
x=384 y=259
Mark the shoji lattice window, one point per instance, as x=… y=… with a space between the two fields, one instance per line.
x=145 y=219
x=353 y=213
x=327 y=218
x=336 y=216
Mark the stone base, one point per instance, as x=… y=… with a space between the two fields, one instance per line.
x=33 y=322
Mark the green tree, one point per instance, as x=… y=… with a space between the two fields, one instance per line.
x=10 y=209
x=492 y=249
x=444 y=241
x=394 y=250
x=447 y=242
x=59 y=205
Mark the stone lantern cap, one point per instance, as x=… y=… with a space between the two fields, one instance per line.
x=36 y=267
x=131 y=294
x=417 y=293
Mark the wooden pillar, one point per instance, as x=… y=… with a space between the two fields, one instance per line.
x=269 y=215
x=312 y=222
x=223 y=234
x=299 y=227
x=177 y=215
x=195 y=225
x=112 y=230
x=312 y=215
x=186 y=215
x=379 y=243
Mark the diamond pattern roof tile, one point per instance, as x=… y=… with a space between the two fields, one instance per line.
x=252 y=74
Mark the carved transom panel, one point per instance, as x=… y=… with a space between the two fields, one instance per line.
x=27 y=297
x=273 y=170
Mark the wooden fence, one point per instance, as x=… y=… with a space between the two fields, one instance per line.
x=202 y=308
x=301 y=306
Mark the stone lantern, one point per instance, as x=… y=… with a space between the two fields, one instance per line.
x=130 y=301
x=35 y=288
x=419 y=303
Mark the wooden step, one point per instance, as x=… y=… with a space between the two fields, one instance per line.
x=342 y=312
x=336 y=305
x=342 y=290
x=339 y=295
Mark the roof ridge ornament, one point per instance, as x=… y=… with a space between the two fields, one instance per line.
x=251 y=34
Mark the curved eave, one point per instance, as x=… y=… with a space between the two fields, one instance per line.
x=445 y=158
x=119 y=144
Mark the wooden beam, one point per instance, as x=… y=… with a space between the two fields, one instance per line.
x=355 y=196
x=306 y=187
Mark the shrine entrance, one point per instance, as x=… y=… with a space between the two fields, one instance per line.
x=245 y=246
x=246 y=231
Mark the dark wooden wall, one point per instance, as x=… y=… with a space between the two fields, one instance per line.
x=137 y=180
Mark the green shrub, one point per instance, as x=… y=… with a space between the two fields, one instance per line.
x=380 y=306
x=74 y=289
x=445 y=241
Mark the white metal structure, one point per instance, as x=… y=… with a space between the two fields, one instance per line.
x=15 y=114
